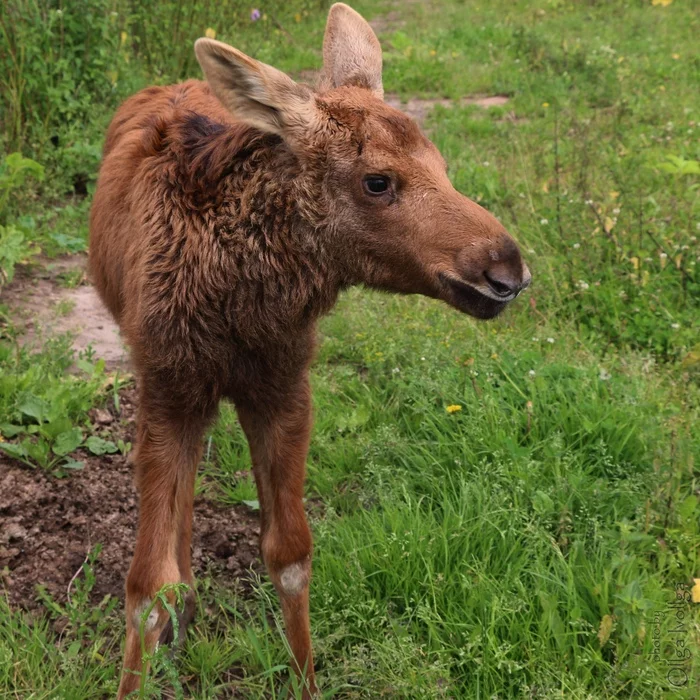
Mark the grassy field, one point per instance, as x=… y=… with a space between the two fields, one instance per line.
x=500 y=510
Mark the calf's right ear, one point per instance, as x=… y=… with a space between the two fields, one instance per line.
x=351 y=51
x=255 y=93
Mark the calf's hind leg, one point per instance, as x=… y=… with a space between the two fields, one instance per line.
x=166 y=458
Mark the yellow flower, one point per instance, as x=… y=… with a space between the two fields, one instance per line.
x=297 y=17
x=433 y=52
x=675 y=56
x=695 y=591
x=663 y=3
x=453 y=408
x=210 y=33
x=545 y=104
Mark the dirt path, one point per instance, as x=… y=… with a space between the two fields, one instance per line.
x=40 y=307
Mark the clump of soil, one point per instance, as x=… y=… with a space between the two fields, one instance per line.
x=49 y=525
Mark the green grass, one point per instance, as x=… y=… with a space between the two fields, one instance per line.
x=523 y=544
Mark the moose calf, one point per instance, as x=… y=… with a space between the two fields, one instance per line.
x=228 y=216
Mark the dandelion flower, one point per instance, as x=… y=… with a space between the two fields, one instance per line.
x=210 y=33
x=453 y=408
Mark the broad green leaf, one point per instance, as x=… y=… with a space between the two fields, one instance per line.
x=14 y=450
x=53 y=429
x=68 y=441
x=9 y=430
x=98 y=446
x=34 y=407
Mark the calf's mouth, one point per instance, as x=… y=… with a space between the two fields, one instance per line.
x=468 y=299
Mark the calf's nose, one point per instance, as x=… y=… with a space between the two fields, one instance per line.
x=507 y=280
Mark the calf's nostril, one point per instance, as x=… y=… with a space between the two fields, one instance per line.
x=500 y=287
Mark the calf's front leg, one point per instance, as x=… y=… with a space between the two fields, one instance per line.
x=278 y=436
x=166 y=457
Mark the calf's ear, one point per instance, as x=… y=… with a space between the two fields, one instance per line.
x=254 y=92
x=351 y=51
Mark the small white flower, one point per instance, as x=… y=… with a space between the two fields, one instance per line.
x=604 y=374
x=544 y=222
x=396 y=370
x=648 y=260
x=581 y=284
x=522 y=195
x=616 y=210
x=531 y=251
x=588 y=201
x=532 y=372
x=535 y=339
x=663 y=256
x=485 y=164
x=550 y=340
x=675 y=326
x=576 y=246
x=422 y=358
x=59 y=13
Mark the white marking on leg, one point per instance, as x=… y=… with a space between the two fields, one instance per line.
x=152 y=619
x=294 y=578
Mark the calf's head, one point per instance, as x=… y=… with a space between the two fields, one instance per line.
x=390 y=209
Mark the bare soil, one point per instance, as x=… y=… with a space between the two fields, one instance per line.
x=50 y=524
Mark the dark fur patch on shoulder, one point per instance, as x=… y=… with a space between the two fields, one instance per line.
x=196 y=128
x=211 y=150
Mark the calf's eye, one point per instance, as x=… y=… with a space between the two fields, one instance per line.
x=376 y=184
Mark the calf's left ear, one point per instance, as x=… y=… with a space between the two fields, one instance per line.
x=255 y=93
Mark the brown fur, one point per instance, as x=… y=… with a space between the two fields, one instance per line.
x=218 y=240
